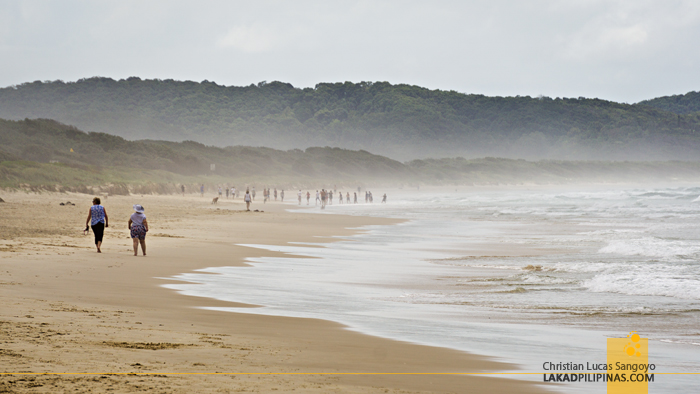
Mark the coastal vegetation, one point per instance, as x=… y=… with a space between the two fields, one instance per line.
x=44 y=154
x=681 y=104
x=399 y=121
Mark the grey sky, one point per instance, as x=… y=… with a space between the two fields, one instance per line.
x=618 y=50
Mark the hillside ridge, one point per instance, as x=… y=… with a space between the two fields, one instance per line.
x=400 y=121
x=47 y=155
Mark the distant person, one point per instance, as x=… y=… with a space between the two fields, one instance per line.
x=252 y=193
x=354 y=199
x=318 y=198
x=340 y=199
x=371 y=198
x=139 y=227
x=308 y=197
x=347 y=198
x=248 y=199
x=182 y=187
x=233 y=192
x=220 y=191
x=324 y=196
x=330 y=197
x=366 y=197
x=97 y=219
x=282 y=195
x=299 y=196
x=384 y=199
x=201 y=190
x=275 y=194
x=227 y=192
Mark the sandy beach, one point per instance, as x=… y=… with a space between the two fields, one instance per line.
x=68 y=309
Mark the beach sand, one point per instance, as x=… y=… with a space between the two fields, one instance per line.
x=68 y=309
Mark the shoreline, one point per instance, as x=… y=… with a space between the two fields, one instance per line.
x=115 y=306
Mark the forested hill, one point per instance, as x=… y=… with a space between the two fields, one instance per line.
x=46 y=155
x=400 y=121
x=680 y=103
x=47 y=141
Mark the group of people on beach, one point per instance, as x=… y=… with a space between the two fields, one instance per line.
x=269 y=194
x=272 y=193
x=325 y=197
x=229 y=191
x=98 y=220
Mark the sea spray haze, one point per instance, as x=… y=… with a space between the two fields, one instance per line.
x=47 y=155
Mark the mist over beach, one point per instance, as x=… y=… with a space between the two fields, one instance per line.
x=362 y=197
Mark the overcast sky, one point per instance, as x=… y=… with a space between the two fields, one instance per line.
x=618 y=50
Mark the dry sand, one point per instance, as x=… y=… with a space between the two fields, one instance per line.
x=68 y=309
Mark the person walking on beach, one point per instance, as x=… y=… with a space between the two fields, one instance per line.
x=318 y=198
x=252 y=193
x=227 y=192
x=248 y=199
x=299 y=196
x=201 y=190
x=97 y=219
x=183 y=190
x=275 y=194
x=354 y=198
x=138 y=225
x=323 y=198
x=384 y=199
x=340 y=199
x=282 y=195
x=347 y=198
x=308 y=197
x=219 y=191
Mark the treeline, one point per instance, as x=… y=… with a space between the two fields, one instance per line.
x=681 y=104
x=48 y=141
x=47 y=155
x=400 y=121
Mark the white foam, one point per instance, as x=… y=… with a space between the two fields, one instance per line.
x=652 y=247
x=655 y=281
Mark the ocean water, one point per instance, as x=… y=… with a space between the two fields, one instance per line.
x=527 y=276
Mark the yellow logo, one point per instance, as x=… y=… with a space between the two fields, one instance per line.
x=628 y=363
x=633 y=347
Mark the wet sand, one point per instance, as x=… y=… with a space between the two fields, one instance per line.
x=68 y=309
